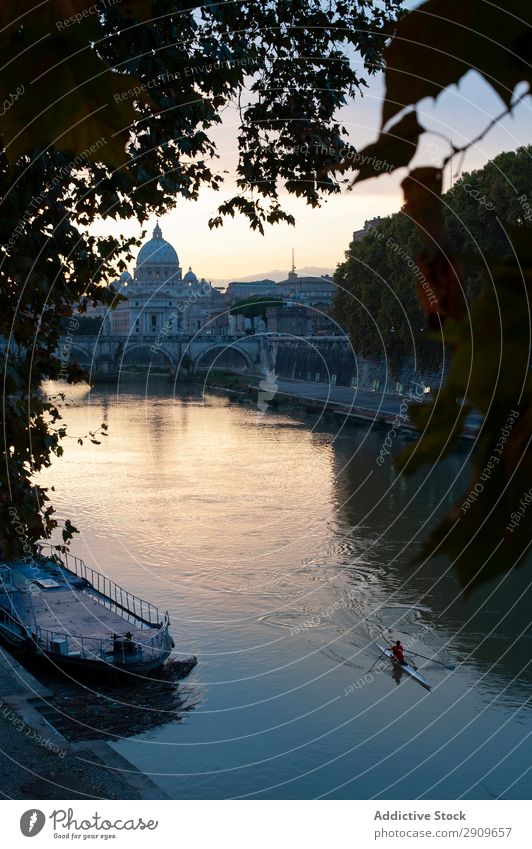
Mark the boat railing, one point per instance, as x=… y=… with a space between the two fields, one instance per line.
x=11 y=620
x=113 y=649
x=9 y=610
x=136 y=607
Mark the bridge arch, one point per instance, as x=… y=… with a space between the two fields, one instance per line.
x=141 y=353
x=223 y=356
x=81 y=354
x=88 y=357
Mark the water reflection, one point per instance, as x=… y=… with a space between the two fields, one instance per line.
x=282 y=552
x=490 y=629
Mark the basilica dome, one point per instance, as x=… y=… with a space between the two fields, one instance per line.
x=157 y=251
x=190 y=277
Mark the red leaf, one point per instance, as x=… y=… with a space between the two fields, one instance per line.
x=440 y=290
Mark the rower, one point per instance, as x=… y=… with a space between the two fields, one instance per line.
x=399 y=653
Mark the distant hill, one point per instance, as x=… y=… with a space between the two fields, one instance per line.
x=277 y=275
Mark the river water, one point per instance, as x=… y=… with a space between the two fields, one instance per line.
x=281 y=551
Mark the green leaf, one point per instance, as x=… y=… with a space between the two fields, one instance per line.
x=441 y=424
x=490 y=368
x=435 y=45
x=69 y=95
x=393 y=149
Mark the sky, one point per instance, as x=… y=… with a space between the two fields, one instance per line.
x=321 y=236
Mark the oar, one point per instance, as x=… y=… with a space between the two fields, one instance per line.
x=375 y=664
x=424 y=656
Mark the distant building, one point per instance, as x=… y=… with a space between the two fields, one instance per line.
x=238 y=291
x=121 y=322
x=290 y=319
x=358 y=235
x=159 y=300
x=322 y=323
x=307 y=290
x=304 y=311
x=238 y=324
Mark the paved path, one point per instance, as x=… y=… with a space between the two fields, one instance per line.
x=346 y=396
x=36 y=762
x=342 y=395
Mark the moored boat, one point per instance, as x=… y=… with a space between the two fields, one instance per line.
x=406 y=668
x=79 y=618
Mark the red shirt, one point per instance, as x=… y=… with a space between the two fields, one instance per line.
x=398 y=653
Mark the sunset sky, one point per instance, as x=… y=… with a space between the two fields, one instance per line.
x=321 y=236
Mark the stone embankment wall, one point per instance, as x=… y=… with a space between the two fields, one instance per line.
x=335 y=362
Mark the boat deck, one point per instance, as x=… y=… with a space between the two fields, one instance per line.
x=72 y=611
x=67 y=616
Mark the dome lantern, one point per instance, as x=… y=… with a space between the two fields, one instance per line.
x=158 y=255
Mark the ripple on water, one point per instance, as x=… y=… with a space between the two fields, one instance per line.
x=279 y=555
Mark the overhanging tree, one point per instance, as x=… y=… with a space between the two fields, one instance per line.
x=376 y=295
x=112 y=113
x=489 y=529
x=109 y=111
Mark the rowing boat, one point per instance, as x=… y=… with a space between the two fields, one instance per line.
x=406 y=668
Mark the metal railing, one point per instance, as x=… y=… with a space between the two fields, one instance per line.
x=136 y=607
x=10 y=617
x=12 y=623
x=110 y=650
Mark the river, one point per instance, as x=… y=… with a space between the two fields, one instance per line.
x=281 y=550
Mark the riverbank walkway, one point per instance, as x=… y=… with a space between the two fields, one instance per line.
x=37 y=762
x=359 y=404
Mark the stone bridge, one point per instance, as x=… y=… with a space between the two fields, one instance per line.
x=308 y=358
x=108 y=356
x=313 y=359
